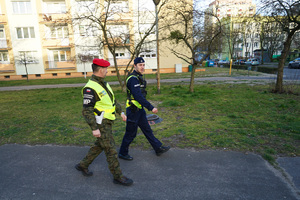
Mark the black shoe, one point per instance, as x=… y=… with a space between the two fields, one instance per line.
x=123 y=181
x=162 y=150
x=84 y=171
x=127 y=157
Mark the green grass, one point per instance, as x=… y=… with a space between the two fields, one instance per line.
x=235 y=117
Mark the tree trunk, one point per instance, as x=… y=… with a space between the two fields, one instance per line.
x=193 y=77
x=285 y=51
x=26 y=71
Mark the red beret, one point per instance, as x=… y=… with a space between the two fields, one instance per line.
x=101 y=62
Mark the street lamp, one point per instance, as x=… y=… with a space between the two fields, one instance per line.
x=156 y=2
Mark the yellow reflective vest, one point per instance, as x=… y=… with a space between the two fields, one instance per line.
x=105 y=104
x=130 y=98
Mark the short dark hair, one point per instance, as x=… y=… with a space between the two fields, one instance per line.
x=95 y=67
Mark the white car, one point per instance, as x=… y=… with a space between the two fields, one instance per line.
x=252 y=61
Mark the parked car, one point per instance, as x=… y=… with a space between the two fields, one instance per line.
x=252 y=61
x=221 y=62
x=239 y=62
x=294 y=64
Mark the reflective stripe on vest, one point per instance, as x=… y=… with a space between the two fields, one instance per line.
x=105 y=104
x=135 y=102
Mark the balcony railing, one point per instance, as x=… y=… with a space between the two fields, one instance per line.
x=3 y=19
x=5 y=68
x=60 y=65
x=54 y=18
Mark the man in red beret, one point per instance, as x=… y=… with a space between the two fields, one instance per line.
x=99 y=111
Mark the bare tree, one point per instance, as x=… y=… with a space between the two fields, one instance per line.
x=84 y=58
x=116 y=30
x=287 y=14
x=25 y=58
x=190 y=29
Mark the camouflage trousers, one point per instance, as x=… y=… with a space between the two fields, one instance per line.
x=105 y=143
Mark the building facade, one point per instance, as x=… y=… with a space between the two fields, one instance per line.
x=56 y=39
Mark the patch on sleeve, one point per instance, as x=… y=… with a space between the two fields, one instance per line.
x=102 y=93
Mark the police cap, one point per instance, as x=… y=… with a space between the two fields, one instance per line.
x=138 y=60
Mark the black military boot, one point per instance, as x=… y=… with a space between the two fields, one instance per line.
x=123 y=181
x=85 y=171
x=162 y=150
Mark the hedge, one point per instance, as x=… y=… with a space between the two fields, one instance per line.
x=268 y=70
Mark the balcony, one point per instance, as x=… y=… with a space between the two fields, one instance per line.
x=54 y=18
x=60 y=65
x=62 y=42
x=6 y=68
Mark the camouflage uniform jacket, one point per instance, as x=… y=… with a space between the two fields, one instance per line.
x=90 y=98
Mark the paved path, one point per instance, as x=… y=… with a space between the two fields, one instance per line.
x=267 y=78
x=47 y=172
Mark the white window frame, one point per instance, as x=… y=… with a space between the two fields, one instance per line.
x=21 y=7
x=55 y=7
x=148 y=54
x=55 y=32
x=60 y=54
x=30 y=31
x=3 y=55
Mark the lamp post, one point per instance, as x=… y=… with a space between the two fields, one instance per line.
x=156 y=2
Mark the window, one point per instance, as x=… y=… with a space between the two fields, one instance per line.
x=60 y=56
x=3 y=57
x=59 y=32
x=21 y=7
x=25 y=32
x=120 y=55
x=55 y=7
x=148 y=55
x=255 y=44
x=2 y=33
x=28 y=56
x=118 y=6
x=145 y=28
x=86 y=6
x=87 y=30
x=247 y=44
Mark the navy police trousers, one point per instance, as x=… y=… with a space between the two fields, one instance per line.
x=134 y=120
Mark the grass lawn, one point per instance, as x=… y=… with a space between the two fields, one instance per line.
x=224 y=116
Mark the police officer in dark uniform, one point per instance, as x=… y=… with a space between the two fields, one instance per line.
x=99 y=109
x=136 y=115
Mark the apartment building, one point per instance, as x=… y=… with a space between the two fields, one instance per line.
x=231 y=12
x=232 y=8
x=52 y=39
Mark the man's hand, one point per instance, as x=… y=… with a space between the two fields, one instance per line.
x=154 y=110
x=96 y=133
x=124 y=117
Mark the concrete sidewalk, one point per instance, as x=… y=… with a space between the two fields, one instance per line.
x=47 y=172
